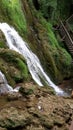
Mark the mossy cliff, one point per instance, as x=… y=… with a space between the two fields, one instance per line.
x=34 y=22
x=54 y=57
x=10 y=11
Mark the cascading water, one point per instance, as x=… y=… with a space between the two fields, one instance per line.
x=4 y=86
x=15 y=42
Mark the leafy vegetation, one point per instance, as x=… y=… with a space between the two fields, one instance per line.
x=48 y=8
x=52 y=10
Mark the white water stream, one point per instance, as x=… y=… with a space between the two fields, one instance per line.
x=4 y=86
x=15 y=42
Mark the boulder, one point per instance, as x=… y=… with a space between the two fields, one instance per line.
x=13 y=96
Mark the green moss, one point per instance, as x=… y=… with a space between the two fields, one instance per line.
x=10 y=55
x=26 y=91
x=13 y=65
x=11 y=12
x=22 y=66
x=49 y=31
x=52 y=38
x=4 y=67
x=3 y=45
x=51 y=57
x=63 y=61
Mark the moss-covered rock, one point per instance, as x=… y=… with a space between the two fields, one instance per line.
x=2 y=40
x=41 y=35
x=13 y=65
x=11 y=12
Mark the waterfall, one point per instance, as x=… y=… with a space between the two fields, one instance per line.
x=15 y=42
x=4 y=86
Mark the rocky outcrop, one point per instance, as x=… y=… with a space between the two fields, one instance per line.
x=37 y=110
x=13 y=65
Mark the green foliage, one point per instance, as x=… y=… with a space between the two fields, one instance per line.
x=3 y=45
x=51 y=36
x=66 y=59
x=63 y=8
x=61 y=58
x=63 y=61
x=11 y=12
x=22 y=66
x=52 y=10
x=48 y=8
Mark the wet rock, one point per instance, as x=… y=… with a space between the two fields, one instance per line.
x=13 y=96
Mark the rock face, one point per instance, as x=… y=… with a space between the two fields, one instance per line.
x=13 y=65
x=39 y=110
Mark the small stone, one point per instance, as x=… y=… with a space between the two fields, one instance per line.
x=39 y=107
x=13 y=96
